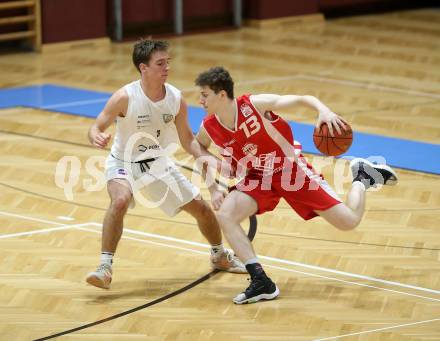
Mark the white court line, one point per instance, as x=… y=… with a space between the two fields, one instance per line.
x=255 y=81
x=270 y=266
x=30 y=218
x=51 y=229
x=146 y=234
x=148 y=241
x=370 y=86
x=79 y=227
x=350 y=282
x=363 y=85
x=377 y=330
x=72 y=104
x=350 y=274
x=284 y=261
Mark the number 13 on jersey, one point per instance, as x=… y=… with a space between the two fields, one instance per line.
x=251 y=126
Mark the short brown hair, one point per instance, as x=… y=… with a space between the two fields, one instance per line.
x=144 y=48
x=217 y=79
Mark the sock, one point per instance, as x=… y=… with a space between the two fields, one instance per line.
x=359 y=183
x=107 y=258
x=251 y=261
x=255 y=270
x=217 y=249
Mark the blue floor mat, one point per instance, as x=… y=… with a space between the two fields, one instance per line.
x=406 y=154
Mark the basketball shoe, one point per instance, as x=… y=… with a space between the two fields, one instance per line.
x=372 y=175
x=261 y=288
x=101 y=277
x=226 y=261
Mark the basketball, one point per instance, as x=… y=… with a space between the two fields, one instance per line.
x=332 y=145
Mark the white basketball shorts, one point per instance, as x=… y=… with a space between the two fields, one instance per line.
x=154 y=184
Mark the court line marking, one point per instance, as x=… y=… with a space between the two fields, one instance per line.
x=284 y=261
x=146 y=241
x=79 y=227
x=350 y=282
x=274 y=260
x=319 y=78
x=376 y=330
x=183 y=241
x=47 y=230
x=74 y=103
x=370 y=86
x=30 y=218
x=356 y=84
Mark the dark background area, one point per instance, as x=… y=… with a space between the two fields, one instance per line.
x=67 y=20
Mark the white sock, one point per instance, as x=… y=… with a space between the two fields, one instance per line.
x=217 y=249
x=358 y=183
x=107 y=258
x=252 y=261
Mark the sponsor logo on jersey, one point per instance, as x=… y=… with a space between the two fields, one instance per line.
x=142 y=148
x=246 y=109
x=144 y=120
x=122 y=171
x=250 y=148
x=265 y=162
x=167 y=118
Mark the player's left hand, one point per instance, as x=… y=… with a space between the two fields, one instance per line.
x=217 y=198
x=332 y=120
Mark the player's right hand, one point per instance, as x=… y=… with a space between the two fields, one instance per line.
x=101 y=140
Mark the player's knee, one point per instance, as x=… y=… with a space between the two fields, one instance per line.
x=120 y=203
x=347 y=223
x=224 y=215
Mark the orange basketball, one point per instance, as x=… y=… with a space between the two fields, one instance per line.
x=332 y=145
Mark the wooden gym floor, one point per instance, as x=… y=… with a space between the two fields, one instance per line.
x=378 y=282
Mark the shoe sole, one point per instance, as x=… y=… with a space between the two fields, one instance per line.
x=262 y=297
x=231 y=270
x=97 y=282
x=392 y=181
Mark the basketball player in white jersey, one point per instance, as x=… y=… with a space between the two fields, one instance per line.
x=150 y=114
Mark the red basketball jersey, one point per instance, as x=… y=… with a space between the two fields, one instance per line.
x=257 y=144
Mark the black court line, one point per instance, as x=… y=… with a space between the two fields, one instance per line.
x=149 y=304
x=193 y=224
x=107 y=150
x=250 y=218
x=251 y=233
x=127 y=312
x=91 y=206
x=349 y=242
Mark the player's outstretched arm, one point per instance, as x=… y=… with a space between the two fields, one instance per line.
x=217 y=194
x=186 y=136
x=198 y=146
x=116 y=106
x=270 y=102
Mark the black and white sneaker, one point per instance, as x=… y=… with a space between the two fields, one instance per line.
x=261 y=288
x=371 y=174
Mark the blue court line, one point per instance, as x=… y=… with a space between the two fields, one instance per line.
x=406 y=154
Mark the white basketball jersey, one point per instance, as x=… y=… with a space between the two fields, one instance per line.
x=148 y=127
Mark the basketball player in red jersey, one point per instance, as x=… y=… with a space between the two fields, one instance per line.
x=247 y=130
